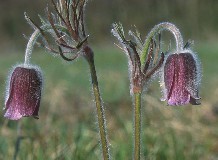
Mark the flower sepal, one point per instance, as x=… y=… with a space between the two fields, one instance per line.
x=23 y=93
x=181 y=78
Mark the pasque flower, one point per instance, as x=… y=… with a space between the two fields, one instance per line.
x=181 y=78
x=23 y=93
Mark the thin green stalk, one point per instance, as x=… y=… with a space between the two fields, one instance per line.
x=100 y=111
x=18 y=140
x=157 y=29
x=36 y=34
x=137 y=126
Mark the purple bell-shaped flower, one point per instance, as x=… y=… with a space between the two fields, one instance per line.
x=23 y=93
x=181 y=78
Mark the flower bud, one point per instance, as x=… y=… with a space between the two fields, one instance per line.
x=24 y=93
x=181 y=78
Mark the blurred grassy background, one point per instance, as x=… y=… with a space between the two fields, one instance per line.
x=67 y=125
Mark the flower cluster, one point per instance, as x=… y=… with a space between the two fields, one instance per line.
x=63 y=34
x=180 y=72
x=68 y=33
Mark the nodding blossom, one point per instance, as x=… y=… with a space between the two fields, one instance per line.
x=181 y=78
x=24 y=93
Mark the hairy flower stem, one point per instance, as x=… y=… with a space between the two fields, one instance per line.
x=99 y=106
x=157 y=29
x=137 y=126
x=33 y=39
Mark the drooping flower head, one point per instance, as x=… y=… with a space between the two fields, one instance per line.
x=23 y=93
x=181 y=78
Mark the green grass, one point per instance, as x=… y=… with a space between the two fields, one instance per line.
x=67 y=126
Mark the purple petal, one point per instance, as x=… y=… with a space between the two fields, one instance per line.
x=24 y=93
x=192 y=82
x=13 y=114
x=180 y=75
